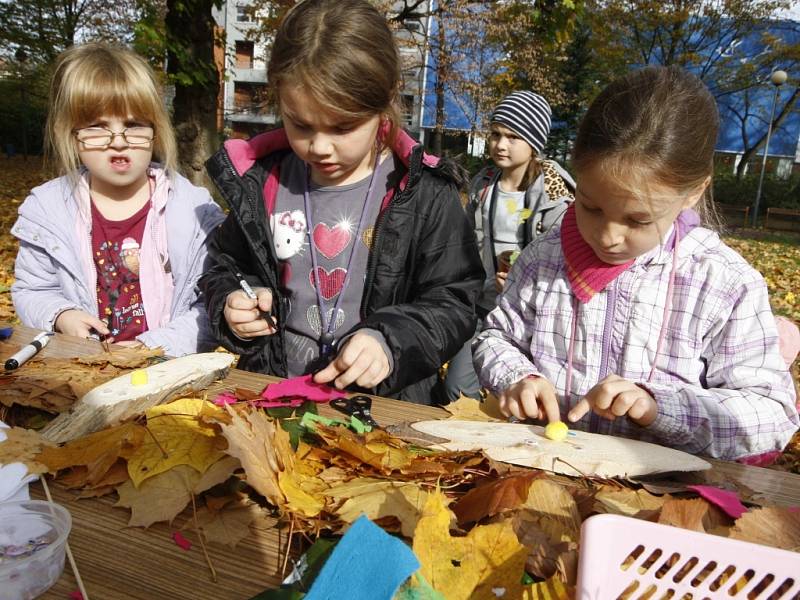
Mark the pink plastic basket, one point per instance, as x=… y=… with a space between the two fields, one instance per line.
x=631 y=559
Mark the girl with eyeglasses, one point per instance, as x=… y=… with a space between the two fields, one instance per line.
x=114 y=247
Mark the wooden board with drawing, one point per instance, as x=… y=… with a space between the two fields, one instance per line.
x=581 y=453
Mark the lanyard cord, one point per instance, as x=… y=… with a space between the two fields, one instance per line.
x=661 y=334
x=328 y=325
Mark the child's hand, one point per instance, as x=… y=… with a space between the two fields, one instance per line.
x=79 y=323
x=243 y=314
x=500 y=281
x=530 y=398
x=616 y=397
x=361 y=360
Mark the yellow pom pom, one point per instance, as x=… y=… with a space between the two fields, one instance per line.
x=139 y=377
x=556 y=431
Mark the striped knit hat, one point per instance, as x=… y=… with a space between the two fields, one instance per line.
x=527 y=114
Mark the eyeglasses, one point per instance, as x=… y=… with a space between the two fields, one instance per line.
x=98 y=137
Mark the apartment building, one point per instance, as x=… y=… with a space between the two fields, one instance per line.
x=243 y=108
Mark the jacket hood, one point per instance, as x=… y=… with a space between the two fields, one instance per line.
x=244 y=153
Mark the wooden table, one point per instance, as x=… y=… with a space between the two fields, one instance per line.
x=120 y=562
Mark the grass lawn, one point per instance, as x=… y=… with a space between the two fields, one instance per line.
x=776 y=256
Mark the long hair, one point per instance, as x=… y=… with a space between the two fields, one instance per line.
x=95 y=80
x=343 y=53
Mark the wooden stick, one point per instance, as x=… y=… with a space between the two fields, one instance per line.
x=70 y=557
x=200 y=537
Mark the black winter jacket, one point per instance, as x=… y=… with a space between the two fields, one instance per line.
x=423 y=273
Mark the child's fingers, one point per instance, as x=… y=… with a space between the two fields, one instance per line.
x=264 y=298
x=96 y=324
x=549 y=403
x=529 y=400
x=238 y=300
x=579 y=410
x=624 y=401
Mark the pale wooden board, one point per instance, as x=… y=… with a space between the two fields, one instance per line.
x=580 y=454
x=119 y=399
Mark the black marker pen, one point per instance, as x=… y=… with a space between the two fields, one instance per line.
x=28 y=351
x=266 y=315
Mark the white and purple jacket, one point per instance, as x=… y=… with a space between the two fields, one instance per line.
x=720 y=383
x=55 y=272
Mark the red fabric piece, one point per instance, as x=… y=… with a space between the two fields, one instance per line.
x=586 y=273
x=728 y=501
x=76 y=595
x=181 y=541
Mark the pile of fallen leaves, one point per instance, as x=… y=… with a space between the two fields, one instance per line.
x=474 y=524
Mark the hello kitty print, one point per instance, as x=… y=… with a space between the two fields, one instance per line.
x=334 y=234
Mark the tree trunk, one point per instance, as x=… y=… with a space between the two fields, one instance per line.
x=190 y=61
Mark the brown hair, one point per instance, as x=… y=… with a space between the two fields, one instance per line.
x=344 y=54
x=655 y=124
x=93 y=80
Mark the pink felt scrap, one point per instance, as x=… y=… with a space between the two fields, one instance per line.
x=181 y=541
x=225 y=398
x=303 y=387
x=76 y=595
x=728 y=501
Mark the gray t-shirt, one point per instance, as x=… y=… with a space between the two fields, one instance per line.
x=335 y=215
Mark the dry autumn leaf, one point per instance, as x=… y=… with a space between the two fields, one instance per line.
x=485 y=564
x=164 y=496
x=627 y=502
x=554 y=509
x=227 y=526
x=493 y=497
x=98 y=451
x=470 y=409
x=377 y=499
x=551 y=589
x=177 y=435
x=263 y=449
x=773 y=526
x=687 y=514
x=23 y=445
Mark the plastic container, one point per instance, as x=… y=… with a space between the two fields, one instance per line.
x=626 y=558
x=33 y=537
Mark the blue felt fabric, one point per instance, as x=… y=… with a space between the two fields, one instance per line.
x=367 y=564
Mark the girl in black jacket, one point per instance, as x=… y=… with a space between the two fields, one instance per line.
x=363 y=266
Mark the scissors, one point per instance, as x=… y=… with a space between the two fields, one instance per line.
x=358 y=406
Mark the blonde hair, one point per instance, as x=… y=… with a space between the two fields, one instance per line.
x=653 y=125
x=95 y=80
x=344 y=54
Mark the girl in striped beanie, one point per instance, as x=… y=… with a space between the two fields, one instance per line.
x=511 y=202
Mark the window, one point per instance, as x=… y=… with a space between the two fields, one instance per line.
x=243 y=13
x=244 y=54
x=249 y=97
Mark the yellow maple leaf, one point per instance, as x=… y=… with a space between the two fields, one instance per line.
x=550 y=589
x=177 y=436
x=299 y=500
x=378 y=498
x=486 y=564
x=470 y=409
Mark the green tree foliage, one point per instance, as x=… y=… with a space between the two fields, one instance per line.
x=706 y=37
